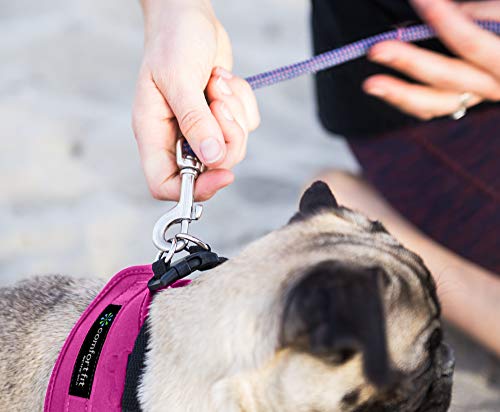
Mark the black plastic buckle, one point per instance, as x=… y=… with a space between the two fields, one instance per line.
x=198 y=259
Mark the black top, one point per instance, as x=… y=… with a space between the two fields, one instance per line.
x=343 y=106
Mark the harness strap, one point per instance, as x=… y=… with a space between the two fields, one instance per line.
x=89 y=374
x=135 y=368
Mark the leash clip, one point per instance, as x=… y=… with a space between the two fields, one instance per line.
x=166 y=273
x=186 y=210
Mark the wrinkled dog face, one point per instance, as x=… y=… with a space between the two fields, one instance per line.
x=329 y=313
x=371 y=319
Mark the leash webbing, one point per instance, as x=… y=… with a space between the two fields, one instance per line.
x=350 y=52
x=347 y=53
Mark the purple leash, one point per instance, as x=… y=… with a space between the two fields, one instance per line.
x=350 y=52
x=347 y=53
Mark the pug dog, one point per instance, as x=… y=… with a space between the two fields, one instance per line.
x=329 y=313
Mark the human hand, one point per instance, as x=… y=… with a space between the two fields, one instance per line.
x=442 y=79
x=187 y=51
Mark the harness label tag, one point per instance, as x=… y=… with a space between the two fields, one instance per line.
x=88 y=356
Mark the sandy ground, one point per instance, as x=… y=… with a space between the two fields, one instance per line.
x=73 y=198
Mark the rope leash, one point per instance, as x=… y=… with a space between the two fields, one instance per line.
x=350 y=52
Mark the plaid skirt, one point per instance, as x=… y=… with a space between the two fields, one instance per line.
x=444 y=177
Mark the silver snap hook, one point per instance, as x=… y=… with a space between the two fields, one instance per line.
x=186 y=210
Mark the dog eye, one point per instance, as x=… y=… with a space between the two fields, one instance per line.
x=435 y=339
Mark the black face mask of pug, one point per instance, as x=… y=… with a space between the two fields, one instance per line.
x=329 y=313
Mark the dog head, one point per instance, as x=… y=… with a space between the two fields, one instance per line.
x=329 y=313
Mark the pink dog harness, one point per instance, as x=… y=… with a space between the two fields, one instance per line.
x=89 y=374
x=94 y=370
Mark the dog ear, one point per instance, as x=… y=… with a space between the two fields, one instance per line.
x=336 y=311
x=318 y=197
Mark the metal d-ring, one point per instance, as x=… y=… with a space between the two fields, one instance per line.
x=178 y=243
x=168 y=255
x=187 y=237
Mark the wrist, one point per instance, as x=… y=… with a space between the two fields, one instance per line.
x=157 y=12
x=157 y=6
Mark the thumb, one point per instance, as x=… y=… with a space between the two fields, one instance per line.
x=197 y=123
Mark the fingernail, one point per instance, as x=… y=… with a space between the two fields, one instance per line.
x=225 y=111
x=224 y=73
x=375 y=91
x=224 y=87
x=211 y=150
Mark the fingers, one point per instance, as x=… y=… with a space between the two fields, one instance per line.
x=221 y=89
x=435 y=69
x=195 y=119
x=218 y=134
x=482 y=10
x=235 y=108
x=244 y=92
x=238 y=88
x=155 y=136
x=210 y=182
x=156 y=132
x=235 y=134
x=164 y=181
x=460 y=34
x=207 y=184
x=420 y=101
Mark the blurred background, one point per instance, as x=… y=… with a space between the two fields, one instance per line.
x=73 y=198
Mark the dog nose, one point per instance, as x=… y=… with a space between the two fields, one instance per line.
x=447 y=360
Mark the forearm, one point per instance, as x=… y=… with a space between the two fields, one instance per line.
x=471 y=300
x=150 y=8
x=469 y=294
